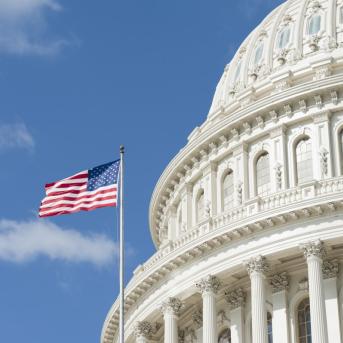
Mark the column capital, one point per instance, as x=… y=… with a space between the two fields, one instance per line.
x=145 y=329
x=257 y=264
x=172 y=306
x=235 y=298
x=330 y=269
x=313 y=249
x=208 y=284
x=279 y=282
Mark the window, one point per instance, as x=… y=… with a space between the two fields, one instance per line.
x=283 y=38
x=258 y=54
x=270 y=327
x=304 y=322
x=263 y=175
x=225 y=336
x=238 y=71
x=200 y=207
x=314 y=25
x=228 y=191
x=304 y=160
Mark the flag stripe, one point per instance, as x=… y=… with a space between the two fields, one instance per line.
x=76 y=197
x=84 y=191
x=56 y=213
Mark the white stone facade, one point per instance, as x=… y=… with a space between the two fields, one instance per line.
x=248 y=218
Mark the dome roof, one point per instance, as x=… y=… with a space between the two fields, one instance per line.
x=285 y=41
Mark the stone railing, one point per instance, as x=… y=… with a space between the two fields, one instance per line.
x=258 y=205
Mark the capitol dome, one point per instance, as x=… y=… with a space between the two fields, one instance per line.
x=247 y=218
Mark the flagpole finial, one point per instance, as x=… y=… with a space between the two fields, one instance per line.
x=122 y=149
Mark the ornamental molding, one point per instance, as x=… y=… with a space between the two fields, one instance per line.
x=209 y=284
x=172 y=306
x=257 y=265
x=235 y=298
x=313 y=249
x=197 y=319
x=303 y=284
x=330 y=269
x=279 y=282
x=146 y=329
x=283 y=111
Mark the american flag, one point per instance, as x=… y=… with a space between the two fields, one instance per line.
x=84 y=191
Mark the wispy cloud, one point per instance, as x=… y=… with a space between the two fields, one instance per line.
x=15 y=136
x=23 y=241
x=24 y=29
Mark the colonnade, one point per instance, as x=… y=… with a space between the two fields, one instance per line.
x=258 y=269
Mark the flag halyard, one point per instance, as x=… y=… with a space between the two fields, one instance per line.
x=84 y=191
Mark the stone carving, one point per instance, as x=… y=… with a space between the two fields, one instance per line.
x=323 y=154
x=319 y=101
x=221 y=317
x=146 y=329
x=278 y=176
x=334 y=97
x=208 y=284
x=274 y=116
x=303 y=105
x=239 y=191
x=303 y=284
x=315 y=248
x=181 y=336
x=313 y=42
x=322 y=72
x=282 y=56
x=279 y=282
x=163 y=234
x=197 y=319
x=247 y=128
x=288 y=110
x=257 y=264
x=330 y=269
x=260 y=122
x=235 y=298
x=172 y=306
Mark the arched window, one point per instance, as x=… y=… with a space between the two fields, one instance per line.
x=270 y=327
x=304 y=322
x=283 y=37
x=258 y=54
x=200 y=206
x=228 y=191
x=225 y=336
x=304 y=163
x=263 y=175
x=314 y=25
x=238 y=71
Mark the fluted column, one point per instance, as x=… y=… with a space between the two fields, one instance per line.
x=236 y=301
x=257 y=267
x=279 y=285
x=209 y=287
x=330 y=271
x=314 y=253
x=144 y=330
x=171 y=309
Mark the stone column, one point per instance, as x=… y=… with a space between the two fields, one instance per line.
x=236 y=301
x=330 y=271
x=257 y=267
x=279 y=284
x=209 y=287
x=144 y=330
x=314 y=253
x=171 y=309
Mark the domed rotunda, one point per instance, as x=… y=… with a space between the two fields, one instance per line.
x=247 y=218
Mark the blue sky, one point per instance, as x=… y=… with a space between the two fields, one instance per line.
x=77 y=79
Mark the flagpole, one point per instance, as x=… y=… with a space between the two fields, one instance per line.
x=121 y=248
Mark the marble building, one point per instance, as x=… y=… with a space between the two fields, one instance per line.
x=247 y=218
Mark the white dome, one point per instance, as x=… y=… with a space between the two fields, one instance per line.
x=262 y=177
x=288 y=40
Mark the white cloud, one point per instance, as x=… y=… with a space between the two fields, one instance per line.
x=23 y=27
x=23 y=241
x=14 y=136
